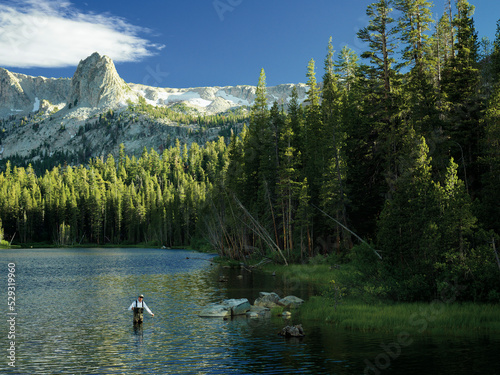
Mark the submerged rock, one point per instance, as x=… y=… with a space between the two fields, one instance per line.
x=259 y=309
x=292 y=331
x=290 y=302
x=239 y=306
x=215 y=310
x=268 y=300
x=225 y=309
x=258 y=312
x=223 y=279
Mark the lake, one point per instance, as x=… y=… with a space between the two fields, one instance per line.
x=71 y=317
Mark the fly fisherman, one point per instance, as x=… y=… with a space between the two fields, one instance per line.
x=138 y=307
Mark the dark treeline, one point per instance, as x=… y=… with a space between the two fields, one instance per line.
x=402 y=151
x=393 y=164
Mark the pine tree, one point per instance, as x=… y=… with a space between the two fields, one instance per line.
x=451 y=40
x=235 y=178
x=72 y=210
x=413 y=24
x=347 y=67
x=490 y=195
x=276 y=122
x=256 y=143
x=364 y=180
x=495 y=56
x=314 y=153
x=415 y=20
x=333 y=194
x=289 y=161
x=96 y=206
x=441 y=47
x=407 y=227
x=380 y=36
x=122 y=161
x=303 y=220
x=456 y=220
x=461 y=83
x=381 y=90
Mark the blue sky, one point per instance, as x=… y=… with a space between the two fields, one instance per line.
x=188 y=43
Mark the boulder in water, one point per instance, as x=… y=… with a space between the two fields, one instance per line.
x=227 y=308
x=268 y=300
x=292 y=331
x=290 y=302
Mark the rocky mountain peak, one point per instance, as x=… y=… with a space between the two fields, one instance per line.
x=12 y=95
x=96 y=83
x=42 y=116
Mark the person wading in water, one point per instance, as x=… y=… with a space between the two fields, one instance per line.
x=138 y=307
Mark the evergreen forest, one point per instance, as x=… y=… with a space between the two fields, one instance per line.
x=392 y=163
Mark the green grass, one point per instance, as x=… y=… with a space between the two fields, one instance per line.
x=6 y=245
x=434 y=317
x=277 y=310
x=361 y=305
x=320 y=275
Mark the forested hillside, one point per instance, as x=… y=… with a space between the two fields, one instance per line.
x=154 y=199
x=394 y=159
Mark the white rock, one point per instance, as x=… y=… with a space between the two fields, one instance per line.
x=215 y=311
x=291 y=302
x=227 y=308
x=252 y=315
x=238 y=306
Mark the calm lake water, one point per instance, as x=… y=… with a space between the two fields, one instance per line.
x=72 y=318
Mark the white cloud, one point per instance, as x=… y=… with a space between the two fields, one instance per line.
x=51 y=33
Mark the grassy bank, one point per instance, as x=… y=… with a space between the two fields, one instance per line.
x=435 y=317
x=6 y=245
x=345 y=301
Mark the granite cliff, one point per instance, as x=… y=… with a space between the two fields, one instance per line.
x=96 y=83
x=41 y=116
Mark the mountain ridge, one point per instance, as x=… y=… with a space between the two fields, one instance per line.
x=93 y=112
x=96 y=83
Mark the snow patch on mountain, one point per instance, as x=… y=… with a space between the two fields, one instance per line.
x=231 y=98
x=182 y=97
x=201 y=102
x=36 y=105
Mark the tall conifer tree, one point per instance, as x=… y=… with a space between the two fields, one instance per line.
x=314 y=139
x=256 y=141
x=407 y=226
x=333 y=190
x=461 y=83
x=380 y=36
x=495 y=56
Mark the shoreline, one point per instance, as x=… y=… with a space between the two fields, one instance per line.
x=361 y=310
x=94 y=245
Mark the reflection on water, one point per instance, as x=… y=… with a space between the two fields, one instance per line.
x=73 y=319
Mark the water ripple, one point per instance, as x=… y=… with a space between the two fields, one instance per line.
x=73 y=319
